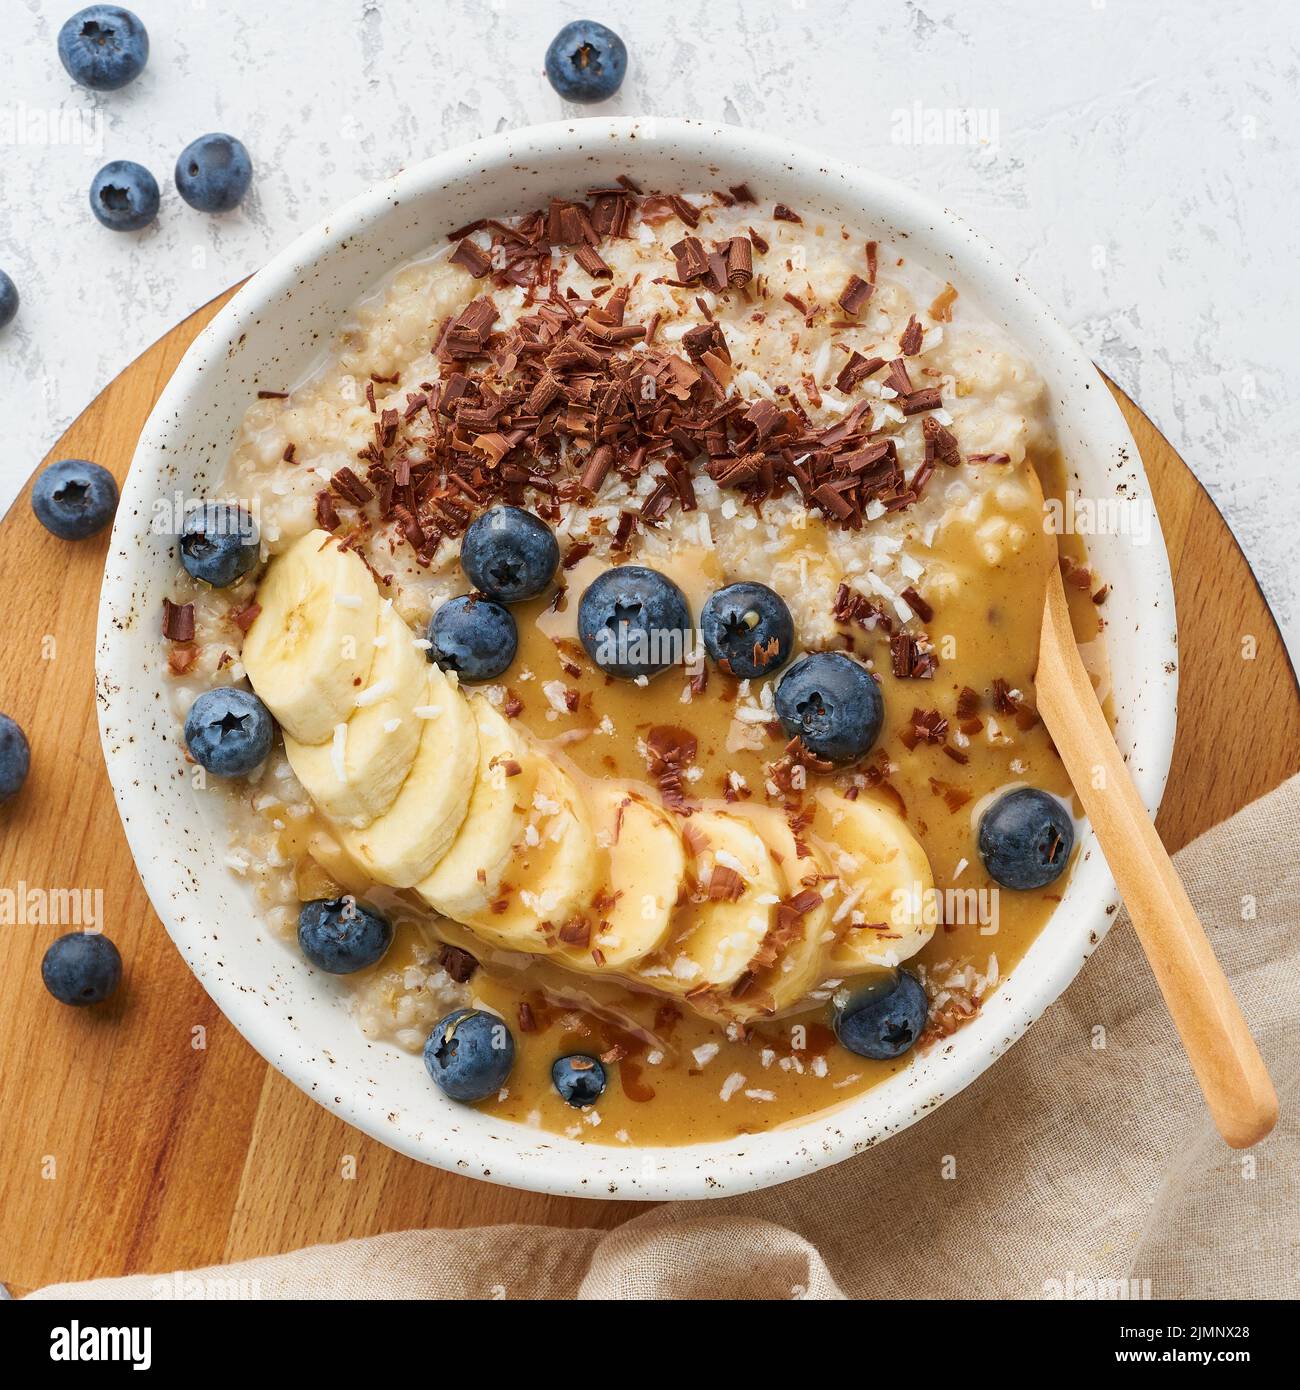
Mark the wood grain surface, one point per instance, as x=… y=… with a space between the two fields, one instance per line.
x=147 y=1135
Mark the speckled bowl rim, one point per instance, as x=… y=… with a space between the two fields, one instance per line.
x=171 y=840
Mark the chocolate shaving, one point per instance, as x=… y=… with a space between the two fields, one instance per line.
x=326 y=517
x=670 y=751
x=908 y=661
x=725 y=885
x=782 y=213
x=178 y=621
x=928 y=398
x=915 y=601
x=855 y=295
x=460 y=965
x=469 y=255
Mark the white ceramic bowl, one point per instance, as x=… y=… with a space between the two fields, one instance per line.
x=266 y=337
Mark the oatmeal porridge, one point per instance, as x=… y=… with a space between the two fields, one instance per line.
x=646 y=593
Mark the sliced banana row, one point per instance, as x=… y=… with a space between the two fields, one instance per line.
x=431 y=791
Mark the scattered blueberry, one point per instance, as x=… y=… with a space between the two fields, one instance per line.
x=124 y=196
x=474 y=636
x=220 y=543
x=340 y=935
x=15 y=758
x=579 y=1079
x=586 y=61
x=81 y=968
x=8 y=300
x=1025 y=838
x=228 y=731
x=884 y=1018
x=74 y=498
x=634 y=622
x=213 y=173
x=104 y=47
x=509 y=554
x=469 y=1054
x=832 y=703
x=747 y=630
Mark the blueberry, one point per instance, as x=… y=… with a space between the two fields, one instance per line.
x=469 y=1054
x=747 y=630
x=104 y=47
x=579 y=1079
x=213 y=173
x=473 y=636
x=8 y=300
x=124 y=196
x=586 y=61
x=1025 y=839
x=509 y=554
x=15 y=758
x=634 y=622
x=883 y=1019
x=220 y=544
x=228 y=731
x=832 y=703
x=74 y=498
x=81 y=968
x=340 y=935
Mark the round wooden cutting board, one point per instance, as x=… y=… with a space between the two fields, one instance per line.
x=147 y=1135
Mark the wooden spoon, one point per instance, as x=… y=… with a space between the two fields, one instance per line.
x=1218 y=1043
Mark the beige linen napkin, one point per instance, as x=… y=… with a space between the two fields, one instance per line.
x=1084 y=1155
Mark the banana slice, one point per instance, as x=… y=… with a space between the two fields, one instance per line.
x=799 y=940
x=311 y=647
x=715 y=938
x=356 y=776
x=886 y=880
x=338 y=863
x=402 y=846
x=647 y=867
x=553 y=872
x=468 y=876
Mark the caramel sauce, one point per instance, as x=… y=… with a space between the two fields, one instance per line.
x=669 y=1069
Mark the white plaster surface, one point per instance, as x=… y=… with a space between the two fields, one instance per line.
x=1143 y=176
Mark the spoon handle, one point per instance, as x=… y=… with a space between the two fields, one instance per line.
x=1227 y=1064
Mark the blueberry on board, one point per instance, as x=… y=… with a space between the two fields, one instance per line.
x=8 y=300
x=832 y=703
x=81 y=968
x=474 y=636
x=15 y=758
x=1025 y=839
x=586 y=61
x=104 y=47
x=747 y=630
x=124 y=196
x=340 y=935
x=213 y=173
x=469 y=1055
x=228 y=731
x=509 y=554
x=74 y=498
x=634 y=622
x=883 y=1019
x=220 y=543
x=579 y=1079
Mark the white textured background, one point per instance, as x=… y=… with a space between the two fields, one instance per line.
x=1144 y=177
